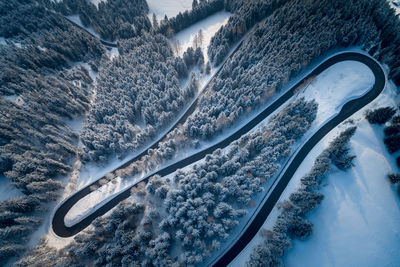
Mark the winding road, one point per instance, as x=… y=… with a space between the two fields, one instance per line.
x=273 y=194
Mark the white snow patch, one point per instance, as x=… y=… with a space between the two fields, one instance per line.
x=93 y=200
x=7 y=189
x=171 y=8
x=41 y=48
x=15 y=99
x=112 y=53
x=209 y=27
x=12 y=98
x=76 y=124
x=335 y=86
x=395 y=4
x=3 y=41
x=97 y=2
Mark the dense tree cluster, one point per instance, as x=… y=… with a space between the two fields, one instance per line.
x=39 y=91
x=200 y=11
x=111 y=19
x=380 y=115
x=138 y=94
x=246 y=15
x=289 y=39
x=291 y=222
x=195 y=210
x=208 y=200
x=308 y=30
x=294 y=35
x=52 y=41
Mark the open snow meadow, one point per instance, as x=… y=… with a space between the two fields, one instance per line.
x=208 y=28
x=169 y=8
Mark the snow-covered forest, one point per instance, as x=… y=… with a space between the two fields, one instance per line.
x=54 y=72
x=195 y=209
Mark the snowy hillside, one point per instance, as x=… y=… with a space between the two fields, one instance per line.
x=169 y=8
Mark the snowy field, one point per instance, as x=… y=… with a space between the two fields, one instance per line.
x=7 y=189
x=171 y=8
x=85 y=205
x=357 y=222
x=208 y=26
x=337 y=85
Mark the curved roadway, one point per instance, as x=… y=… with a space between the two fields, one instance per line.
x=275 y=191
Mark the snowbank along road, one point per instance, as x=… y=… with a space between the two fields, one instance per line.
x=275 y=191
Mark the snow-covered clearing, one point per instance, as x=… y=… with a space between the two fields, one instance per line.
x=208 y=26
x=171 y=8
x=97 y=2
x=337 y=85
x=84 y=206
x=357 y=222
x=7 y=189
x=112 y=53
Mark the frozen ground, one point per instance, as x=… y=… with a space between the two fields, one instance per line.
x=209 y=27
x=357 y=222
x=171 y=8
x=7 y=189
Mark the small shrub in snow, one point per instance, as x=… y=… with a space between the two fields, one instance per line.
x=394 y=178
x=380 y=115
x=395 y=120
